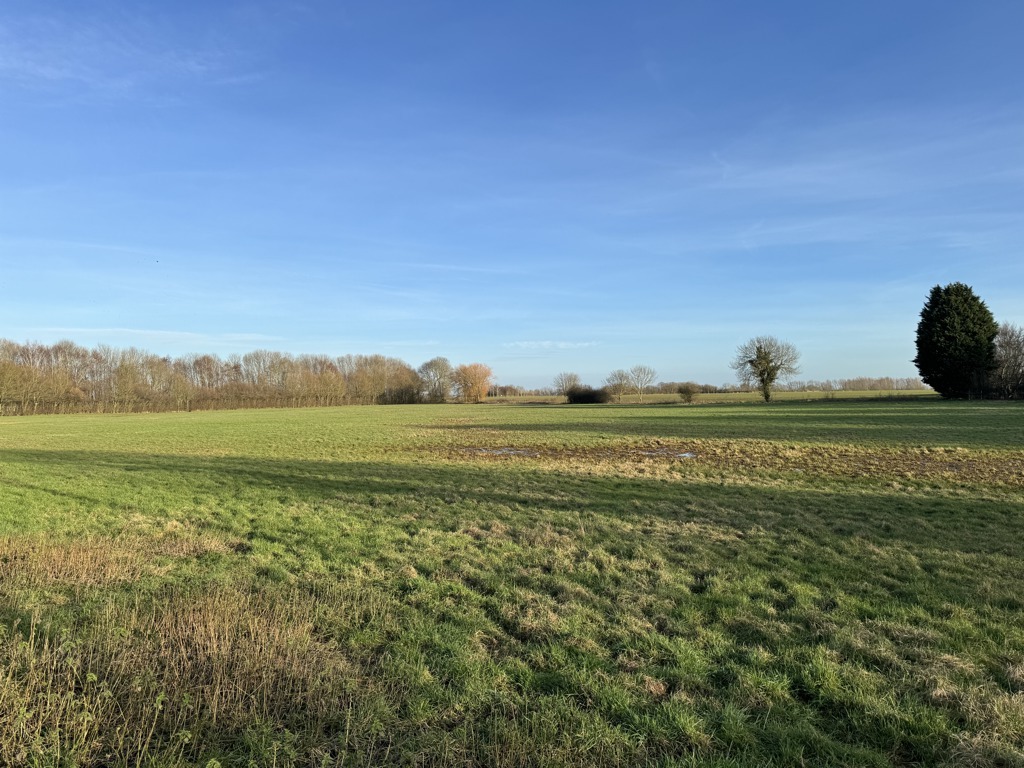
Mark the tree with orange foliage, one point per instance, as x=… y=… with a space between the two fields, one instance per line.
x=472 y=382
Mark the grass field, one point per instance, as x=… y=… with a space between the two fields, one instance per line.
x=823 y=584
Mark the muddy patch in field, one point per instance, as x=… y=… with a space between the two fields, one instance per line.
x=949 y=464
x=502 y=452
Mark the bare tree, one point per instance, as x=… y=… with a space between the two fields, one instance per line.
x=66 y=378
x=403 y=384
x=322 y=381
x=641 y=377
x=1008 y=378
x=617 y=383
x=368 y=380
x=13 y=383
x=437 y=379
x=376 y=379
x=565 y=382
x=472 y=382
x=127 y=379
x=763 y=361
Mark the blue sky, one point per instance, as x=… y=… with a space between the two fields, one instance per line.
x=541 y=187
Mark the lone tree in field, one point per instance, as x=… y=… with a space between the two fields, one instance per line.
x=956 y=348
x=763 y=361
x=641 y=377
x=472 y=382
x=437 y=376
x=566 y=382
x=617 y=383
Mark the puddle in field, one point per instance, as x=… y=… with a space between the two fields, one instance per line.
x=665 y=453
x=503 y=452
x=686 y=455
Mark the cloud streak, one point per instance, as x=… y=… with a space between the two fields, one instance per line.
x=549 y=345
x=162 y=336
x=115 y=56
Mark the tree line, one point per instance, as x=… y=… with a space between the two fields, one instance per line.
x=68 y=378
x=961 y=352
x=636 y=382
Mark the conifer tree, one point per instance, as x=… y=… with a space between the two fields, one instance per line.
x=956 y=342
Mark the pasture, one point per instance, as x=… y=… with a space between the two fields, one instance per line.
x=829 y=583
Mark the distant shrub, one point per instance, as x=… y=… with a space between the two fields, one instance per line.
x=687 y=391
x=582 y=395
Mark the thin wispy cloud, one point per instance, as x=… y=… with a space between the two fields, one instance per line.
x=74 y=245
x=549 y=345
x=111 y=55
x=469 y=269
x=413 y=344
x=152 y=333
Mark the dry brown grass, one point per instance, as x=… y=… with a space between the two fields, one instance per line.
x=99 y=561
x=1015 y=676
x=654 y=456
x=95 y=561
x=973 y=750
x=179 y=540
x=183 y=670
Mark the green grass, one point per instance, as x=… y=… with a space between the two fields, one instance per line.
x=825 y=583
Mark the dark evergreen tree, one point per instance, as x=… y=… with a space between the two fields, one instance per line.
x=956 y=342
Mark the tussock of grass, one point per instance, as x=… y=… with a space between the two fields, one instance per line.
x=94 y=561
x=179 y=678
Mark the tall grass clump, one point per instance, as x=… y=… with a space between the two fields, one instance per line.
x=185 y=677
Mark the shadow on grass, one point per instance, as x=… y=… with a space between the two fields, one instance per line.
x=915 y=520
x=747 y=553
x=978 y=424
